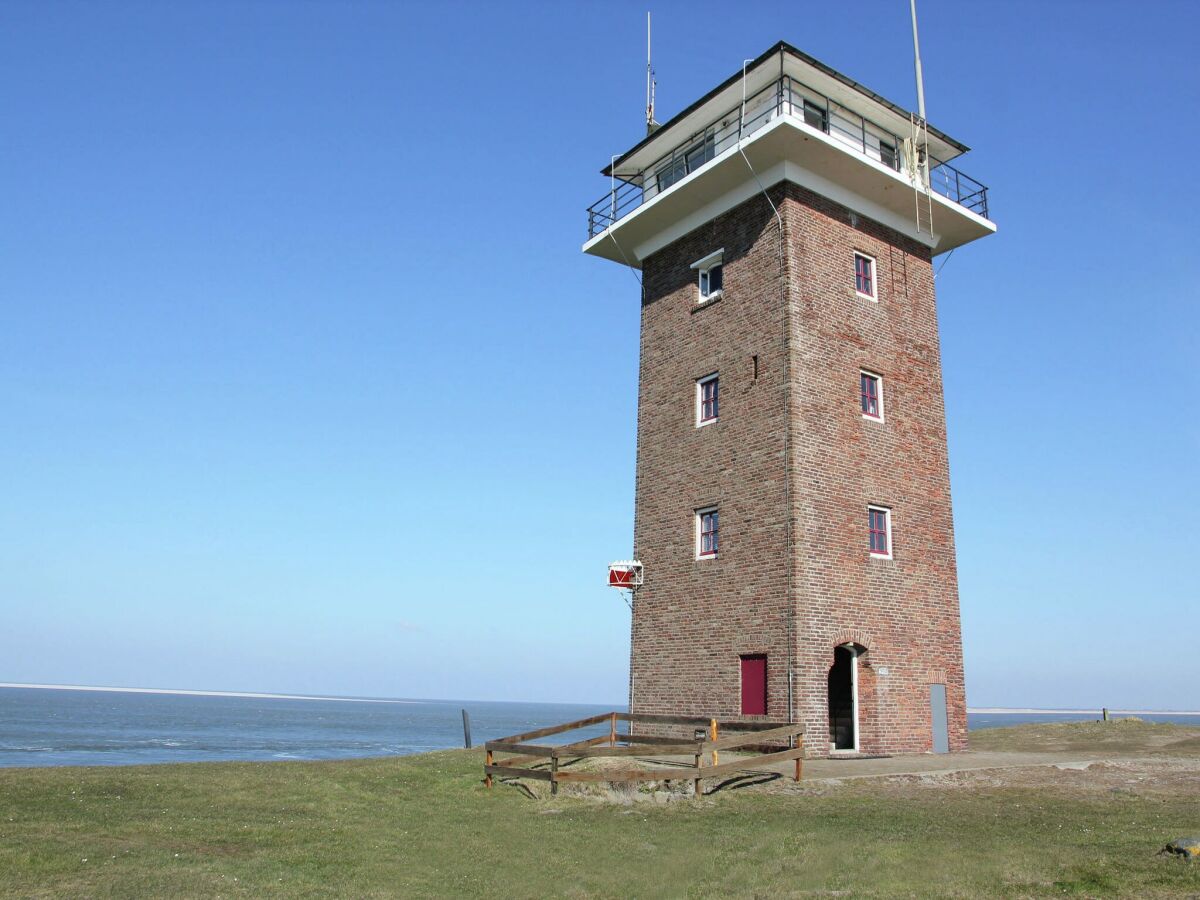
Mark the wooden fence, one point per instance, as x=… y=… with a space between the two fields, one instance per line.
x=544 y=762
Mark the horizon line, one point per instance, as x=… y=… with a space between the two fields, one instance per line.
x=251 y=695
x=1079 y=712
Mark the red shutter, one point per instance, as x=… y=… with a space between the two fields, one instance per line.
x=754 y=685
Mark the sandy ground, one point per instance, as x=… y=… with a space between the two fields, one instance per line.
x=1137 y=759
x=1128 y=776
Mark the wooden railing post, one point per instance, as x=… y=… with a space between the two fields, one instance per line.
x=798 y=744
x=487 y=780
x=612 y=731
x=554 y=774
x=696 y=781
x=712 y=728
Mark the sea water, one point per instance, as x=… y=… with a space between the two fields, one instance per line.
x=40 y=727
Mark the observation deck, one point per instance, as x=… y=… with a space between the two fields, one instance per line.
x=790 y=117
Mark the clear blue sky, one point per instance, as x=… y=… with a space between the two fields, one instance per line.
x=305 y=385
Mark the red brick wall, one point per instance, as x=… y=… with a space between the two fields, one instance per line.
x=800 y=416
x=694 y=618
x=907 y=607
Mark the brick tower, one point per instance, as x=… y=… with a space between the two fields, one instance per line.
x=793 y=496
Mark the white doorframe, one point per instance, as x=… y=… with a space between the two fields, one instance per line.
x=854 y=690
x=853 y=651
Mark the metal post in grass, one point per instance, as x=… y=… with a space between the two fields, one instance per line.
x=466 y=729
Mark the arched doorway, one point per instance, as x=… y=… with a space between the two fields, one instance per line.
x=843 y=698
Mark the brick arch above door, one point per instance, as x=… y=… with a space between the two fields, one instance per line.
x=853 y=636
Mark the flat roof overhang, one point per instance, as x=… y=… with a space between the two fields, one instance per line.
x=781 y=59
x=785 y=149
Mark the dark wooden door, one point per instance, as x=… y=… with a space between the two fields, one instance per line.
x=754 y=685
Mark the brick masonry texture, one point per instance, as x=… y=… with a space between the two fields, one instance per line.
x=792 y=465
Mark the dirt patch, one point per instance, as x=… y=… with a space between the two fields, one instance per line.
x=1144 y=777
x=1130 y=735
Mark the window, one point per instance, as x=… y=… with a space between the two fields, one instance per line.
x=871 y=391
x=700 y=153
x=685 y=163
x=670 y=173
x=706 y=533
x=816 y=116
x=711 y=271
x=887 y=155
x=710 y=281
x=879 y=525
x=864 y=275
x=706 y=400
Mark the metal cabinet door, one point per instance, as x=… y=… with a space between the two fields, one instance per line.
x=937 y=709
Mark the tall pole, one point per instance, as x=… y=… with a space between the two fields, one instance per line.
x=649 y=82
x=917 y=55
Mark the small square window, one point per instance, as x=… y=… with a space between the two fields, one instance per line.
x=711 y=270
x=672 y=172
x=706 y=533
x=707 y=397
x=864 y=275
x=710 y=281
x=816 y=116
x=683 y=164
x=879 y=528
x=871 y=394
x=887 y=155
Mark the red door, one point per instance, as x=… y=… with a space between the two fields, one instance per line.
x=754 y=685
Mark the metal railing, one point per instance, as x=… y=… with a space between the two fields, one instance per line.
x=784 y=97
x=954 y=185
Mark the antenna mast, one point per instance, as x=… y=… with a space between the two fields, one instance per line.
x=918 y=164
x=651 y=84
x=917 y=56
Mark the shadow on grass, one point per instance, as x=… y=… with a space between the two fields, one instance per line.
x=744 y=780
x=520 y=786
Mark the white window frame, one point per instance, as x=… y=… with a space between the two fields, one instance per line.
x=700 y=383
x=887 y=524
x=698 y=517
x=703 y=267
x=879 y=383
x=873 y=297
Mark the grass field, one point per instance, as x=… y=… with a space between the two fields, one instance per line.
x=425 y=826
